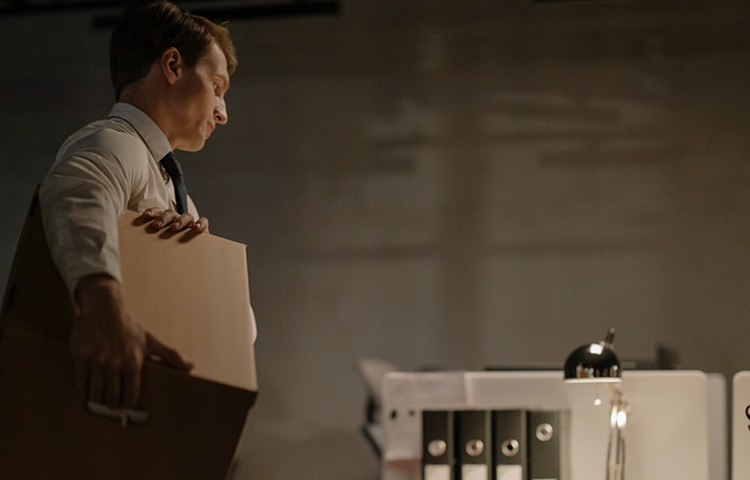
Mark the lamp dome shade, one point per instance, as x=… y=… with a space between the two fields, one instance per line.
x=596 y=362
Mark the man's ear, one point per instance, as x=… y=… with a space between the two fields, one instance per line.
x=171 y=64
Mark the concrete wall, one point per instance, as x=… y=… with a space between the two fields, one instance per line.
x=448 y=184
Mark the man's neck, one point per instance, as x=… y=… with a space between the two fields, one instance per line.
x=145 y=102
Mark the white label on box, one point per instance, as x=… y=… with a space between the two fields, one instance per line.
x=437 y=472
x=474 y=472
x=509 y=472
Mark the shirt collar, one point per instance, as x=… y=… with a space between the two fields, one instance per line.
x=149 y=131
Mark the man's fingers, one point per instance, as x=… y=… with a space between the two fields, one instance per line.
x=168 y=356
x=165 y=218
x=174 y=220
x=150 y=213
x=201 y=225
x=184 y=220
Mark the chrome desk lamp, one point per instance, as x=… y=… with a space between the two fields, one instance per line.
x=598 y=363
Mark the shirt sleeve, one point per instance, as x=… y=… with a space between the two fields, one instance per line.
x=85 y=193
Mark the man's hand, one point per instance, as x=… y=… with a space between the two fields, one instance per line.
x=175 y=221
x=109 y=346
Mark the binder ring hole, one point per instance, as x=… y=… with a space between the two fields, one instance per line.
x=544 y=432
x=474 y=448
x=436 y=448
x=509 y=447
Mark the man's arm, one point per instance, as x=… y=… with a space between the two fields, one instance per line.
x=81 y=199
x=109 y=346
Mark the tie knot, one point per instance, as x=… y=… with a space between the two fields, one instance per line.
x=171 y=166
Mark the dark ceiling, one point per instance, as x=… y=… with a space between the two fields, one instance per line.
x=109 y=12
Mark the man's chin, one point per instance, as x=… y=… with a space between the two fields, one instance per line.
x=192 y=147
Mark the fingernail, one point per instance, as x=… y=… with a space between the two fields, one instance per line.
x=158 y=224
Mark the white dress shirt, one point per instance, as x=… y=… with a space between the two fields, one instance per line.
x=100 y=171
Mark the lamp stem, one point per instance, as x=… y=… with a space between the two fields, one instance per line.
x=619 y=409
x=609 y=338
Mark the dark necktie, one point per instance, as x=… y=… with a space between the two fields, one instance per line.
x=173 y=169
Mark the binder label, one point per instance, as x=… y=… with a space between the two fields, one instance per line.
x=509 y=472
x=474 y=472
x=437 y=472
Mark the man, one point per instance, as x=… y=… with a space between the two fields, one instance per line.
x=170 y=71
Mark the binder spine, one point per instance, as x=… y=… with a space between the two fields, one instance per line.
x=544 y=435
x=474 y=445
x=438 y=445
x=510 y=444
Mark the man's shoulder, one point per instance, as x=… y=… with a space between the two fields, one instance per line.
x=107 y=138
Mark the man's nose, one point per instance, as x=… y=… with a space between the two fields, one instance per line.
x=220 y=112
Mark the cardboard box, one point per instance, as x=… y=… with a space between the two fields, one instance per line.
x=190 y=291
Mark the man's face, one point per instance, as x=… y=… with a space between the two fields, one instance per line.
x=200 y=100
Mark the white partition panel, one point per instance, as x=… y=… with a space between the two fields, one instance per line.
x=667 y=433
